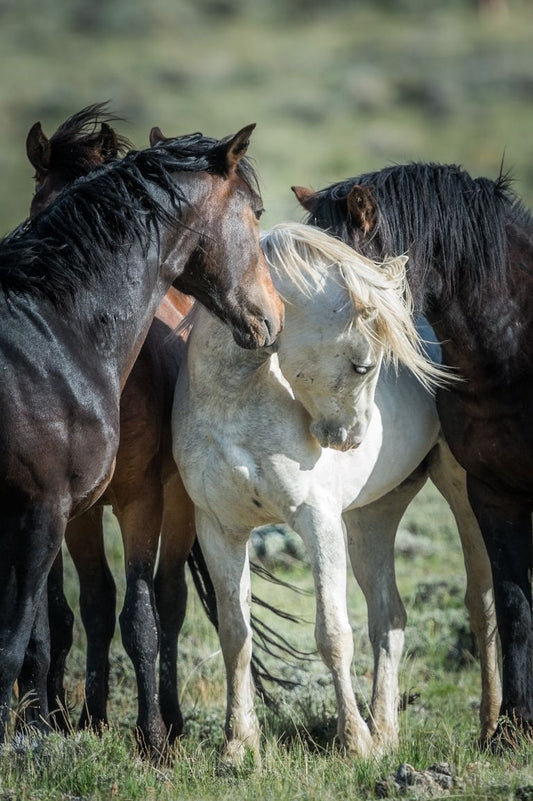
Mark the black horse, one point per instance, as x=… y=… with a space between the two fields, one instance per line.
x=79 y=286
x=470 y=269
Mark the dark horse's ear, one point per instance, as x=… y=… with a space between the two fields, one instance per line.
x=156 y=136
x=233 y=149
x=106 y=143
x=305 y=197
x=362 y=208
x=38 y=147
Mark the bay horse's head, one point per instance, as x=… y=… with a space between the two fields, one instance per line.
x=227 y=271
x=83 y=142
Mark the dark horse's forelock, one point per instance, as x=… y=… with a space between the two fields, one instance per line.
x=436 y=214
x=116 y=205
x=71 y=143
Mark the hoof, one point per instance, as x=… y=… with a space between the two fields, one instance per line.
x=237 y=757
x=509 y=736
x=359 y=744
x=153 y=744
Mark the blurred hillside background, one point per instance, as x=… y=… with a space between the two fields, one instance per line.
x=335 y=87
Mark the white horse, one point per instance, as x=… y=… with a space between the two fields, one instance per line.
x=248 y=430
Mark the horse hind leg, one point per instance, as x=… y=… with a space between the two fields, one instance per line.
x=450 y=479
x=85 y=542
x=371 y=532
x=139 y=512
x=507 y=532
x=177 y=537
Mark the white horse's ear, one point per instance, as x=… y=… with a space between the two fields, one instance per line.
x=305 y=197
x=38 y=147
x=362 y=208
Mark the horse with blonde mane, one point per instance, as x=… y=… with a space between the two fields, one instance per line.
x=296 y=436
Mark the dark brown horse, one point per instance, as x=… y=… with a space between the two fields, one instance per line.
x=145 y=490
x=470 y=247
x=80 y=285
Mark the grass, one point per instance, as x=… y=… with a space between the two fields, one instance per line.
x=300 y=756
x=334 y=92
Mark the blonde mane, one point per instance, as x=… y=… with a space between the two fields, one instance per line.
x=378 y=291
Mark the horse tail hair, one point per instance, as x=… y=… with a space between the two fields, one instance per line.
x=265 y=638
x=202 y=582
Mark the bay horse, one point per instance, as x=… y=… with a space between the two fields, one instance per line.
x=293 y=436
x=79 y=285
x=470 y=270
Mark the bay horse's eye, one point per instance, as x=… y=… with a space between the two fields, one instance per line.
x=259 y=213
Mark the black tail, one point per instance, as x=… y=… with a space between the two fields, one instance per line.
x=265 y=637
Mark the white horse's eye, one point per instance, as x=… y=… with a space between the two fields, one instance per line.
x=362 y=369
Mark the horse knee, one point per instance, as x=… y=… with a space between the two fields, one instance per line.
x=139 y=624
x=335 y=645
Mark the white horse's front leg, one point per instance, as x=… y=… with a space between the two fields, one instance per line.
x=334 y=638
x=226 y=557
x=371 y=531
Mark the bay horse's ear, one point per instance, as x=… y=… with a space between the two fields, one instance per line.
x=38 y=147
x=156 y=136
x=234 y=149
x=107 y=144
x=306 y=197
x=362 y=208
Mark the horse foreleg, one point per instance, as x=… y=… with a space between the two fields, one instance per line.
x=31 y=538
x=371 y=532
x=226 y=556
x=450 y=479
x=325 y=544
x=32 y=680
x=139 y=512
x=506 y=528
x=43 y=671
x=177 y=536
x=85 y=542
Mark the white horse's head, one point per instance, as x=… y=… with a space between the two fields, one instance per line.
x=343 y=315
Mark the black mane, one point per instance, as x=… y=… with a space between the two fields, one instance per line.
x=70 y=145
x=117 y=204
x=438 y=215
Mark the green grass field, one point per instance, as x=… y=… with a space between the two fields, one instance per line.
x=300 y=756
x=334 y=92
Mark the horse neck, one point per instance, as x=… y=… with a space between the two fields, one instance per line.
x=123 y=301
x=490 y=339
x=214 y=360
